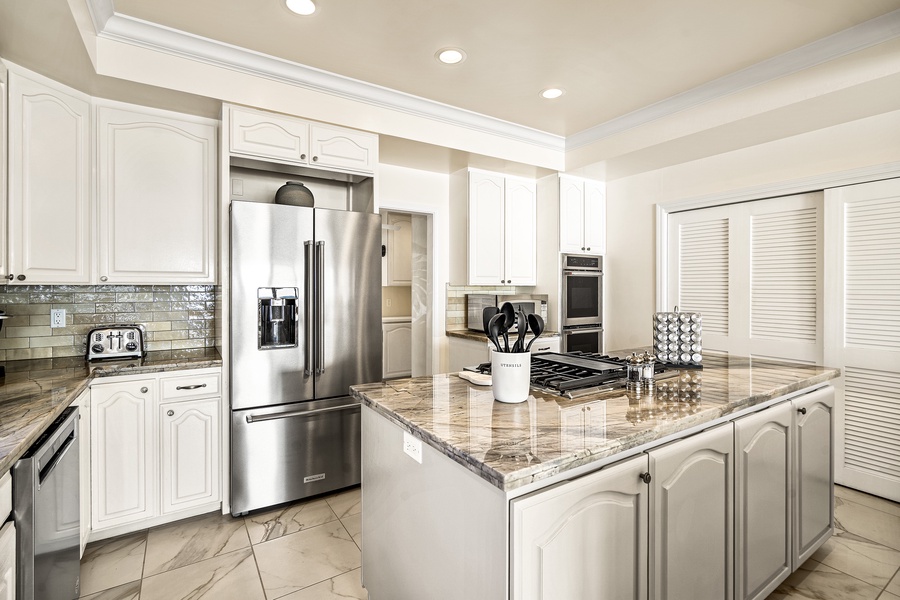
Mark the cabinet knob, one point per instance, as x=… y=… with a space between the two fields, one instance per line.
x=144 y=390
x=170 y=413
x=645 y=477
x=315 y=158
x=10 y=276
x=104 y=278
x=589 y=248
x=582 y=248
x=21 y=278
x=302 y=157
x=802 y=411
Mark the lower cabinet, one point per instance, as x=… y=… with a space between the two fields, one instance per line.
x=584 y=539
x=155 y=448
x=84 y=467
x=397 y=349
x=8 y=561
x=691 y=517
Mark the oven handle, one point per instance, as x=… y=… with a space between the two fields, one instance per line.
x=583 y=330
x=60 y=454
x=298 y=413
x=584 y=273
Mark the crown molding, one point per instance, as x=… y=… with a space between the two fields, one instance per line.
x=867 y=34
x=152 y=36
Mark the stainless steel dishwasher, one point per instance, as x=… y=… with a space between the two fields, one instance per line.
x=47 y=514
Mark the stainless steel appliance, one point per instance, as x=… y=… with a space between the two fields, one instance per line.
x=529 y=303
x=582 y=303
x=47 y=514
x=115 y=341
x=305 y=326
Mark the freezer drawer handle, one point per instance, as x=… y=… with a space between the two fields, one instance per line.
x=196 y=386
x=298 y=413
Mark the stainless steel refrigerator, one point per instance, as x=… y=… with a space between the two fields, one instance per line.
x=305 y=326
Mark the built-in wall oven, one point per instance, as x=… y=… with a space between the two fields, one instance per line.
x=582 y=303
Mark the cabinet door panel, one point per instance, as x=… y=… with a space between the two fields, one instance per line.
x=585 y=538
x=123 y=450
x=486 y=232
x=813 y=472
x=595 y=217
x=190 y=453
x=762 y=501
x=691 y=531
x=399 y=249
x=157 y=198
x=49 y=184
x=397 y=349
x=343 y=149
x=8 y=561
x=520 y=257
x=269 y=136
x=571 y=215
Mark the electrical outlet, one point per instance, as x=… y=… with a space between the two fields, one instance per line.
x=413 y=447
x=57 y=317
x=237 y=187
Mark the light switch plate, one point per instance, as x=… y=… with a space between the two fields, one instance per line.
x=413 y=447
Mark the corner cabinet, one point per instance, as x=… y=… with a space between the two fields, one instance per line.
x=157 y=196
x=155 y=449
x=582 y=216
x=49 y=182
x=502 y=221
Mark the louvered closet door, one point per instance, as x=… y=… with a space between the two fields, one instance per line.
x=785 y=277
x=863 y=332
x=699 y=258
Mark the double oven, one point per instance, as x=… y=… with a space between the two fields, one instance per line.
x=582 y=303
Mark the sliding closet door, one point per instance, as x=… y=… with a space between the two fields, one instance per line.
x=863 y=332
x=754 y=270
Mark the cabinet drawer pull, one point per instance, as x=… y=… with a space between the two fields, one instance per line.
x=191 y=387
x=104 y=278
x=802 y=411
x=645 y=477
x=144 y=390
x=170 y=413
x=21 y=278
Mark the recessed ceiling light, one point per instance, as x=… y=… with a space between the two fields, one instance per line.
x=450 y=56
x=551 y=93
x=301 y=7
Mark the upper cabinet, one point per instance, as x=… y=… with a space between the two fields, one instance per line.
x=154 y=196
x=582 y=215
x=502 y=245
x=49 y=182
x=397 y=237
x=284 y=139
x=157 y=196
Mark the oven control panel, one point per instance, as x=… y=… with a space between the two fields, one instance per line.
x=115 y=341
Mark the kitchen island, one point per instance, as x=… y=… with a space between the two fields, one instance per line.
x=620 y=494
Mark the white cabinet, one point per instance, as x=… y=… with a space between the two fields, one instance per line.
x=84 y=466
x=584 y=539
x=155 y=449
x=813 y=470
x=123 y=452
x=397 y=348
x=157 y=196
x=762 y=505
x=8 y=561
x=49 y=182
x=285 y=139
x=691 y=524
x=582 y=215
x=398 y=248
x=190 y=453
x=502 y=246
x=4 y=137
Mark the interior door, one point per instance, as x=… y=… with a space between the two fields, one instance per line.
x=348 y=303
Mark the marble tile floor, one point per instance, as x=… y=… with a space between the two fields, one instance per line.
x=311 y=551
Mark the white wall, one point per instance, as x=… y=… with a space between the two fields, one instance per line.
x=412 y=190
x=630 y=266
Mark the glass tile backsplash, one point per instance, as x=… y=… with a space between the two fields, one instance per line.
x=175 y=317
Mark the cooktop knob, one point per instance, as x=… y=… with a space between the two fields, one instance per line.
x=97 y=348
x=131 y=346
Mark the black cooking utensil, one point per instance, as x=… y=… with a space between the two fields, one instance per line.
x=509 y=312
x=537 y=326
x=523 y=329
x=486 y=314
x=495 y=329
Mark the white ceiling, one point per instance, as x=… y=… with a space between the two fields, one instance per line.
x=612 y=57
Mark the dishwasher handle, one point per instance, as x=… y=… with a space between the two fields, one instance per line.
x=298 y=413
x=60 y=454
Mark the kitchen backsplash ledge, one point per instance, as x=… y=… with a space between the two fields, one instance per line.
x=175 y=317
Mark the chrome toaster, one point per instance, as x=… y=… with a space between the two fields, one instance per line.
x=115 y=341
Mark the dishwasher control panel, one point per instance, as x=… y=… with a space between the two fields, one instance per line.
x=115 y=341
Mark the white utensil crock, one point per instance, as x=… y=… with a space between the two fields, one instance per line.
x=510 y=375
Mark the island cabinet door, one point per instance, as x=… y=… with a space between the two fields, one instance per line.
x=585 y=538
x=762 y=505
x=813 y=472
x=691 y=517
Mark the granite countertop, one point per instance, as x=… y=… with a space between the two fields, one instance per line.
x=513 y=445
x=34 y=392
x=479 y=336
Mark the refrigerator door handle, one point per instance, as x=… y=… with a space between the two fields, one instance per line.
x=320 y=307
x=307 y=301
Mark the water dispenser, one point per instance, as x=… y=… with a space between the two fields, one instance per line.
x=277 y=318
